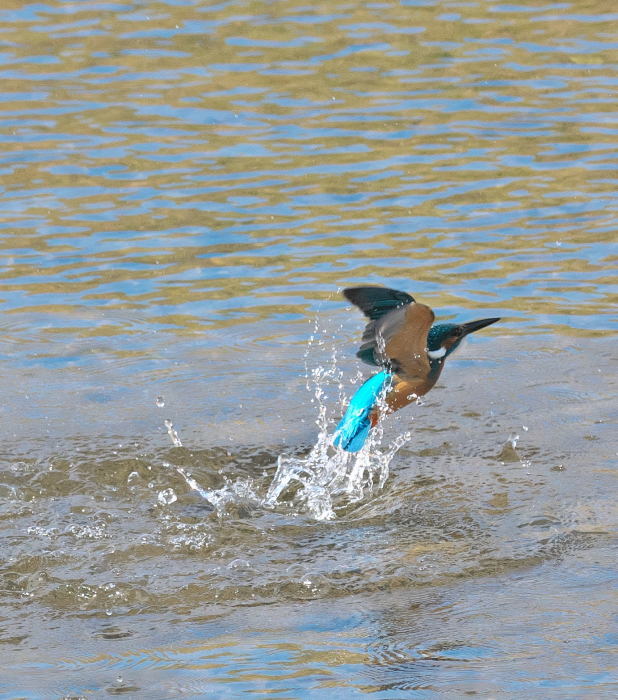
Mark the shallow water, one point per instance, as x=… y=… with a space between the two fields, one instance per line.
x=184 y=188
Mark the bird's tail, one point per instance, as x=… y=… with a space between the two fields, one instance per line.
x=353 y=428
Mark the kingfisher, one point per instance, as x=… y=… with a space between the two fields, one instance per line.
x=401 y=337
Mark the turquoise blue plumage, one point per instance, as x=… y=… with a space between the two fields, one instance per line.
x=354 y=427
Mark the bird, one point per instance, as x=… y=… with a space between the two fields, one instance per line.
x=403 y=340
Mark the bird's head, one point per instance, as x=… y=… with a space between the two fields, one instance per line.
x=443 y=338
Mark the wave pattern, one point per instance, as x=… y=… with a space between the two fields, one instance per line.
x=184 y=188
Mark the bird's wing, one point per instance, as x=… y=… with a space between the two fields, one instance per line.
x=405 y=341
x=376 y=302
x=398 y=341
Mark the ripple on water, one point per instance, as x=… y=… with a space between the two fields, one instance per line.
x=183 y=188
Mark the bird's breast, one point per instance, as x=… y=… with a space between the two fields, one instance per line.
x=403 y=393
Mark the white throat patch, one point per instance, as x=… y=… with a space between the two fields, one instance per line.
x=437 y=354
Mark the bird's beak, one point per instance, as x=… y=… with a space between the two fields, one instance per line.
x=477 y=325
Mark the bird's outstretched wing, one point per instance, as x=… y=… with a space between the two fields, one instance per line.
x=405 y=341
x=396 y=336
x=375 y=302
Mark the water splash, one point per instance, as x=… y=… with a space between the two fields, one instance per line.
x=232 y=493
x=171 y=431
x=510 y=453
x=192 y=484
x=166 y=497
x=328 y=476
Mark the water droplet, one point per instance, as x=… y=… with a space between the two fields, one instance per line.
x=167 y=497
x=172 y=433
x=160 y=402
x=241 y=564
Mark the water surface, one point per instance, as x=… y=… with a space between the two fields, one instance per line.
x=184 y=189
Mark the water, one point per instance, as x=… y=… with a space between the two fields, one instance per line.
x=184 y=190
x=328 y=476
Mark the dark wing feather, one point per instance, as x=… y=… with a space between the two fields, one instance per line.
x=398 y=341
x=376 y=302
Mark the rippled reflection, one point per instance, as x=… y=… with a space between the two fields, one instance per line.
x=184 y=187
